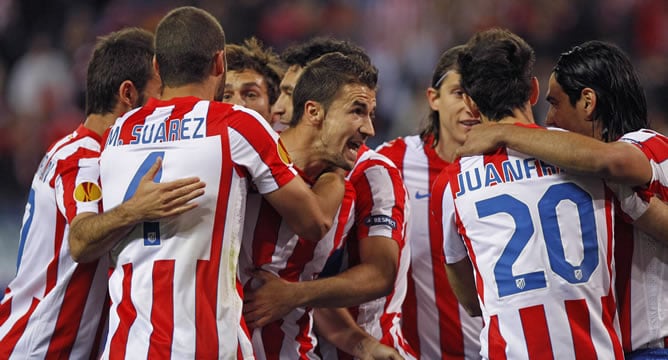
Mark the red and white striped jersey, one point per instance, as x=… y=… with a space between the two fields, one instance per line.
x=434 y=323
x=381 y=209
x=52 y=308
x=655 y=147
x=269 y=243
x=641 y=261
x=541 y=244
x=174 y=290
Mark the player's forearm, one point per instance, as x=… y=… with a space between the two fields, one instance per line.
x=338 y=327
x=357 y=285
x=460 y=276
x=329 y=190
x=580 y=154
x=93 y=235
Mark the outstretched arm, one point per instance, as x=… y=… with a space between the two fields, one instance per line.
x=339 y=328
x=654 y=221
x=616 y=161
x=93 y=235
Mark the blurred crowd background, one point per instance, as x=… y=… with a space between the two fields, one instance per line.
x=45 y=46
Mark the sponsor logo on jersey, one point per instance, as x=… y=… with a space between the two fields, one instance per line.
x=87 y=191
x=380 y=220
x=283 y=153
x=419 y=195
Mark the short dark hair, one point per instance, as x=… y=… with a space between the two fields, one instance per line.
x=447 y=62
x=186 y=41
x=119 y=56
x=496 y=69
x=324 y=77
x=605 y=68
x=303 y=53
x=252 y=56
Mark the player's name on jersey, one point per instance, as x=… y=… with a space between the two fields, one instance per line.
x=170 y=130
x=510 y=170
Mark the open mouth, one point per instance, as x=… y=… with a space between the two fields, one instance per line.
x=470 y=122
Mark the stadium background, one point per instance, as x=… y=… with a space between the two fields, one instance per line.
x=45 y=45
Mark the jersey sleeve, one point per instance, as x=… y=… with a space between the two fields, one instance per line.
x=632 y=202
x=655 y=148
x=442 y=211
x=394 y=150
x=257 y=147
x=381 y=207
x=77 y=184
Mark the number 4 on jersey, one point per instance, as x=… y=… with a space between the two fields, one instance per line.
x=151 y=228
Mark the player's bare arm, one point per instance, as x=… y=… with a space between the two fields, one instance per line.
x=616 y=161
x=372 y=278
x=93 y=235
x=460 y=275
x=338 y=327
x=309 y=212
x=653 y=220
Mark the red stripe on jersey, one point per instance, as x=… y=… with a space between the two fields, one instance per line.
x=71 y=310
x=609 y=311
x=579 y=321
x=206 y=282
x=301 y=255
x=304 y=338
x=497 y=344
x=162 y=310
x=409 y=311
x=255 y=134
x=623 y=260
x=657 y=147
x=497 y=160
x=399 y=208
x=52 y=268
x=12 y=337
x=363 y=204
x=344 y=213
x=68 y=170
x=536 y=332
x=395 y=150
x=665 y=342
x=5 y=309
x=126 y=315
x=265 y=236
x=272 y=338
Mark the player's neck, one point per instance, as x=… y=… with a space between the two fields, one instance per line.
x=199 y=90
x=100 y=123
x=522 y=115
x=299 y=144
x=446 y=149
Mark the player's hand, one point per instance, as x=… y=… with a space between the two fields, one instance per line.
x=372 y=349
x=482 y=139
x=271 y=301
x=152 y=201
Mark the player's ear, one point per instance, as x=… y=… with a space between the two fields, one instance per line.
x=432 y=97
x=588 y=96
x=314 y=112
x=156 y=66
x=473 y=107
x=128 y=94
x=219 y=63
x=535 y=91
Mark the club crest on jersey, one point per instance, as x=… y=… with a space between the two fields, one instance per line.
x=87 y=191
x=283 y=153
x=380 y=220
x=520 y=283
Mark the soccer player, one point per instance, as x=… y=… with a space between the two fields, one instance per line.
x=434 y=323
x=253 y=76
x=296 y=57
x=380 y=258
x=174 y=290
x=539 y=239
x=335 y=101
x=53 y=306
x=596 y=106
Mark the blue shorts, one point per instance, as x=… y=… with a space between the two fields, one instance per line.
x=648 y=354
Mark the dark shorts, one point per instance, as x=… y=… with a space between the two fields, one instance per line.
x=648 y=354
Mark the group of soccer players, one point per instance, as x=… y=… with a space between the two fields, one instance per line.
x=175 y=222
